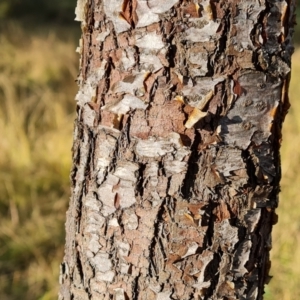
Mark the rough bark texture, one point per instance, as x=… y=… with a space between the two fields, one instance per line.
x=176 y=148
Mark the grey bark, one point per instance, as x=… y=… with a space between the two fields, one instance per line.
x=176 y=164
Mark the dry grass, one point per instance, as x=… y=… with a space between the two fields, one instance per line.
x=36 y=119
x=36 y=93
x=286 y=234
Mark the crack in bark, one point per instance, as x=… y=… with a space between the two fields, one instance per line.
x=192 y=169
x=154 y=241
x=135 y=287
x=222 y=43
x=213 y=268
x=140 y=183
x=250 y=167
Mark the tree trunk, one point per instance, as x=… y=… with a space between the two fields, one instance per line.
x=176 y=164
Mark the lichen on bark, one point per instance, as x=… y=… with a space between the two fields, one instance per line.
x=176 y=165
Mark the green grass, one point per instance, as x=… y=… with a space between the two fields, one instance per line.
x=37 y=88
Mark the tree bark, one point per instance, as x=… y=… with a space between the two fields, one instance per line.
x=176 y=163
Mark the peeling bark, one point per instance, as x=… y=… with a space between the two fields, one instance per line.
x=176 y=164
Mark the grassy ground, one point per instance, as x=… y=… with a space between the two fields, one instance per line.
x=37 y=89
x=286 y=234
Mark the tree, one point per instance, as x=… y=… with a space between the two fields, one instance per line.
x=176 y=163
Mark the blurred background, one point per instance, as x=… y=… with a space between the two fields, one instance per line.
x=38 y=68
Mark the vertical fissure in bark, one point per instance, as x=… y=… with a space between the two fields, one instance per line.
x=135 y=287
x=212 y=268
x=140 y=182
x=89 y=170
x=192 y=169
x=250 y=167
x=79 y=266
x=155 y=244
x=223 y=41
